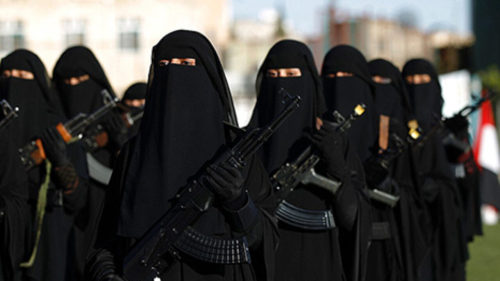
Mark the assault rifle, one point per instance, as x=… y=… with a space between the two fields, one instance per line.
x=9 y=113
x=301 y=170
x=448 y=137
x=33 y=154
x=144 y=261
x=97 y=136
x=382 y=162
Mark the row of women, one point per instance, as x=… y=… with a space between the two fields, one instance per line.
x=88 y=226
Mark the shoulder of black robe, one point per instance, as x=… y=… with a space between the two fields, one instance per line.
x=344 y=93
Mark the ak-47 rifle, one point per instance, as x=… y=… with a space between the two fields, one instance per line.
x=416 y=140
x=383 y=161
x=9 y=113
x=144 y=261
x=98 y=137
x=33 y=154
x=301 y=170
x=448 y=137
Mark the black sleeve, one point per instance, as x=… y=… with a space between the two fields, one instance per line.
x=262 y=233
x=75 y=198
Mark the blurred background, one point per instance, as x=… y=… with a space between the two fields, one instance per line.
x=461 y=37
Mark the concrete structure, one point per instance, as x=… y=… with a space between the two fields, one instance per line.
x=121 y=33
x=379 y=38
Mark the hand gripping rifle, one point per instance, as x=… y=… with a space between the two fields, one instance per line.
x=9 y=113
x=144 y=261
x=301 y=170
x=383 y=161
x=33 y=154
x=98 y=137
x=448 y=136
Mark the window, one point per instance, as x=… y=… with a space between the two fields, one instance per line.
x=11 y=35
x=74 y=32
x=128 y=36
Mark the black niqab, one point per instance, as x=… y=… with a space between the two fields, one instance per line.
x=182 y=128
x=84 y=97
x=289 y=140
x=37 y=103
x=390 y=99
x=344 y=93
x=425 y=98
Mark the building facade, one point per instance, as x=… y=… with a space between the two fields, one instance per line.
x=121 y=33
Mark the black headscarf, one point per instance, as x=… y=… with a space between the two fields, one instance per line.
x=425 y=98
x=84 y=97
x=38 y=104
x=182 y=128
x=136 y=91
x=288 y=141
x=390 y=99
x=344 y=93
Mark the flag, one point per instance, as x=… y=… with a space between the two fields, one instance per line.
x=487 y=156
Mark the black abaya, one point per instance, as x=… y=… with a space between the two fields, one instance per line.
x=181 y=131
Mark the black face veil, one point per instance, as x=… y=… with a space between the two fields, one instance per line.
x=344 y=93
x=84 y=97
x=38 y=105
x=181 y=130
x=425 y=98
x=391 y=99
x=289 y=140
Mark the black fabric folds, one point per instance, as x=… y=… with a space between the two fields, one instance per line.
x=344 y=93
x=14 y=217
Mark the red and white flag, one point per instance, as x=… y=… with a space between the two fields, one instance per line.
x=487 y=156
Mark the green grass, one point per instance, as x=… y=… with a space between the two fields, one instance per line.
x=484 y=263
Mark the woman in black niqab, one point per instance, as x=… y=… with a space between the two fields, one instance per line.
x=347 y=83
x=447 y=251
x=39 y=110
x=79 y=79
x=136 y=91
x=183 y=128
x=398 y=256
x=302 y=254
x=391 y=99
x=84 y=97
